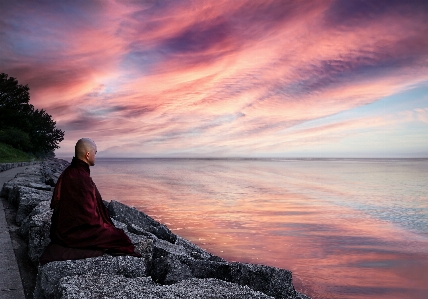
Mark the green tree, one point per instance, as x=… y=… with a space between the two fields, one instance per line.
x=43 y=134
x=22 y=126
x=14 y=106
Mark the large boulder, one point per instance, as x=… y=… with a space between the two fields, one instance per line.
x=131 y=216
x=7 y=166
x=24 y=229
x=27 y=198
x=272 y=281
x=38 y=235
x=51 y=170
x=31 y=177
x=105 y=286
x=49 y=275
x=196 y=252
x=162 y=247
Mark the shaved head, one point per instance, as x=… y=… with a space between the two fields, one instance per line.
x=86 y=149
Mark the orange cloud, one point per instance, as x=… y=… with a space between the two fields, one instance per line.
x=230 y=76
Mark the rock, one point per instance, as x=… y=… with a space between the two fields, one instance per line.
x=30 y=175
x=164 y=248
x=135 y=238
x=301 y=296
x=38 y=235
x=196 y=252
x=51 y=170
x=49 y=275
x=139 y=231
x=7 y=166
x=42 y=207
x=39 y=186
x=27 y=199
x=119 y=224
x=181 y=246
x=129 y=216
x=103 y=286
x=19 y=180
x=269 y=280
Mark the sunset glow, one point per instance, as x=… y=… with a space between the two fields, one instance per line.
x=226 y=78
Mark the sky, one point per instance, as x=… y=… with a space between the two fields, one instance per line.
x=345 y=79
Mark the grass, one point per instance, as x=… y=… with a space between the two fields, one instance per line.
x=9 y=154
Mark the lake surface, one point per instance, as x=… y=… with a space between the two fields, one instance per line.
x=345 y=228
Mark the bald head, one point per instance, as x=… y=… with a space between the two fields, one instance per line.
x=85 y=150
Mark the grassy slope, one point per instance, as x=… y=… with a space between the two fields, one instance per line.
x=9 y=154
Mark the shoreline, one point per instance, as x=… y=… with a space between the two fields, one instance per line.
x=7 y=166
x=170 y=265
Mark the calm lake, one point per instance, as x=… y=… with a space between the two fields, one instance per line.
x=345 y=228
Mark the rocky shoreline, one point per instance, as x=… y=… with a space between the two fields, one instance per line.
x=171 y=266
x=7 y=166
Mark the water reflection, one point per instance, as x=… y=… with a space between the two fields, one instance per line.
x=344 y=228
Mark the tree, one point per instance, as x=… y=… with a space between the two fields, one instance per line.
x=21 y=125
x=14 y=106
x=43 y=134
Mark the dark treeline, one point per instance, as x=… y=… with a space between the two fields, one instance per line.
x=21 y=125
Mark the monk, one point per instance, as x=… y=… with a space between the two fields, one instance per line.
x=81 y=226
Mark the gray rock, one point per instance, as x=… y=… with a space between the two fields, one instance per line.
x=42 y=207
x=163 y=248
x=135 y=238
x=6 y=189
x=103 y=286
x=301 y=296
x=7 y=166
x=145 y=248
x=269 y=280
x=38 y=235
x=27 y=199
x=40 y=186
x=140 y=231
x=49 y=275
x=30 y=175
x=196 y=252
x=119 y=224
x=51 y=170
x=129 y=216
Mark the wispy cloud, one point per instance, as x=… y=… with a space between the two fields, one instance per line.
x=213 y=78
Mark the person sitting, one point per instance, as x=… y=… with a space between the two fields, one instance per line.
x=81 y=226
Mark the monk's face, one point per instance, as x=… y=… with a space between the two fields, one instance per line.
x=91 y=156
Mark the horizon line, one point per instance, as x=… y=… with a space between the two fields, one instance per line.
x=260 y=158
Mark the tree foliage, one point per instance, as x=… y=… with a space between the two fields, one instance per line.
x=21 y=125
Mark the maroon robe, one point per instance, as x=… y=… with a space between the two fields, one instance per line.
x=81 y=226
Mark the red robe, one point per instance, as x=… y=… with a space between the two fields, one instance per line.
x=81 y=226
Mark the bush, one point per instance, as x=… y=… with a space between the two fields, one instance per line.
x=16 y=138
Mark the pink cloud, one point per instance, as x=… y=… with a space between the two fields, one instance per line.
x=225 y=75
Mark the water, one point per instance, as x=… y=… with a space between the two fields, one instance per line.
x=345 y=228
